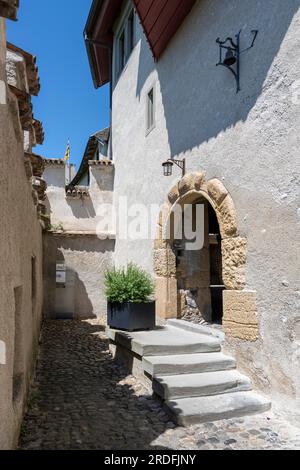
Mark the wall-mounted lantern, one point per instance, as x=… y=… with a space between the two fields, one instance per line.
x=230 y=54
x=168 y=166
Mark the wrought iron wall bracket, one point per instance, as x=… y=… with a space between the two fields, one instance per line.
x=181 y=164
x=233 y=55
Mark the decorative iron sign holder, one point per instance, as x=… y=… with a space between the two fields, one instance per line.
x=233 y=54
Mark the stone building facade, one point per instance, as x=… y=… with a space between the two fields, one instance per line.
x=241 y=152
x=78 y=249
x=22 y=212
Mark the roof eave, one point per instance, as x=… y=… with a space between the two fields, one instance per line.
x=92 y=62
x=90 y=47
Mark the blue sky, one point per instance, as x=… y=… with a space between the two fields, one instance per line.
x=68 y=104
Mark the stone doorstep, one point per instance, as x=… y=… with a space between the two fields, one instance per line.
x=165 y=341
x=187 y=364
x=190 y=411
x=179 y=349
x=198 y=385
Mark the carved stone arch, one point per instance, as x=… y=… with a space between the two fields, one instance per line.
x=234 y=251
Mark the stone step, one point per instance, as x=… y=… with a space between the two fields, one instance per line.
x=187 y=364
x=194 y=328
x=196 y=385
x=190 y=411
x=165 y=341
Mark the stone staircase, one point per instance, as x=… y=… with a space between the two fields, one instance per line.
x=196 y=381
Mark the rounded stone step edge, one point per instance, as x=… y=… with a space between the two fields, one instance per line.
x=221 y=363
x=194 y=328
x=254 y=403
x=230 y=384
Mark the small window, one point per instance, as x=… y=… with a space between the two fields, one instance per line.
x=125 y=41
x=130 y=33
x=150 y=110
x=122 y=52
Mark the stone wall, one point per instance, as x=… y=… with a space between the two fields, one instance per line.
x=86 y=259
x=21 y=263
x=79 y=241
x=83 y=210
x=249 y=142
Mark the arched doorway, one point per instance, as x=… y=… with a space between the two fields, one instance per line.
x=222 y=275
x=198 y=268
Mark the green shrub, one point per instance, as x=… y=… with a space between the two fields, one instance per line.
x=131 y=285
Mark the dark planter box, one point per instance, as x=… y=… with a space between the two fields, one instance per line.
x=131 y=316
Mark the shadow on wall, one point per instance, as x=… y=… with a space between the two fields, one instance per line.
x=80 y=295
x=104 y=179
x=72 y=296
x=200 y=99
x=83 y=303
x=82 y=208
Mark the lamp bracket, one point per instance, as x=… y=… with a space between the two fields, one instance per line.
x=234 y=46
x=180 y=163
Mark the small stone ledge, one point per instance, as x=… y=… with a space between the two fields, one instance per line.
x=54 y=162
x=104 y=162
x=77 y=233
x=78 y=192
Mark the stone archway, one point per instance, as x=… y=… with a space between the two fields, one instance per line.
x=239 y=306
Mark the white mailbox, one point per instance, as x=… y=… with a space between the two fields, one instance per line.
x=61 y=274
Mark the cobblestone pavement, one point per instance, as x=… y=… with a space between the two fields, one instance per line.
x=82 y=400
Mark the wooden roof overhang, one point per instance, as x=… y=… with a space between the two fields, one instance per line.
x=98 y=36
x=160 y=20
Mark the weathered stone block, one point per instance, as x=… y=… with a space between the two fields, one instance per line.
x=164 y=263
x=166 y=297
x=216 y=191
x=199 y=180
x=234 y=253
x=227 y=218
x=173 y=194
x=191 y=182
x=28 y=168
x=240 y=319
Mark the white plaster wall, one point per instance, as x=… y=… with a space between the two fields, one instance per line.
x=80 y=214
x=86 y=255
x=86 y=259
x=249 y=140
x=20 y=240
x=55 y=175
